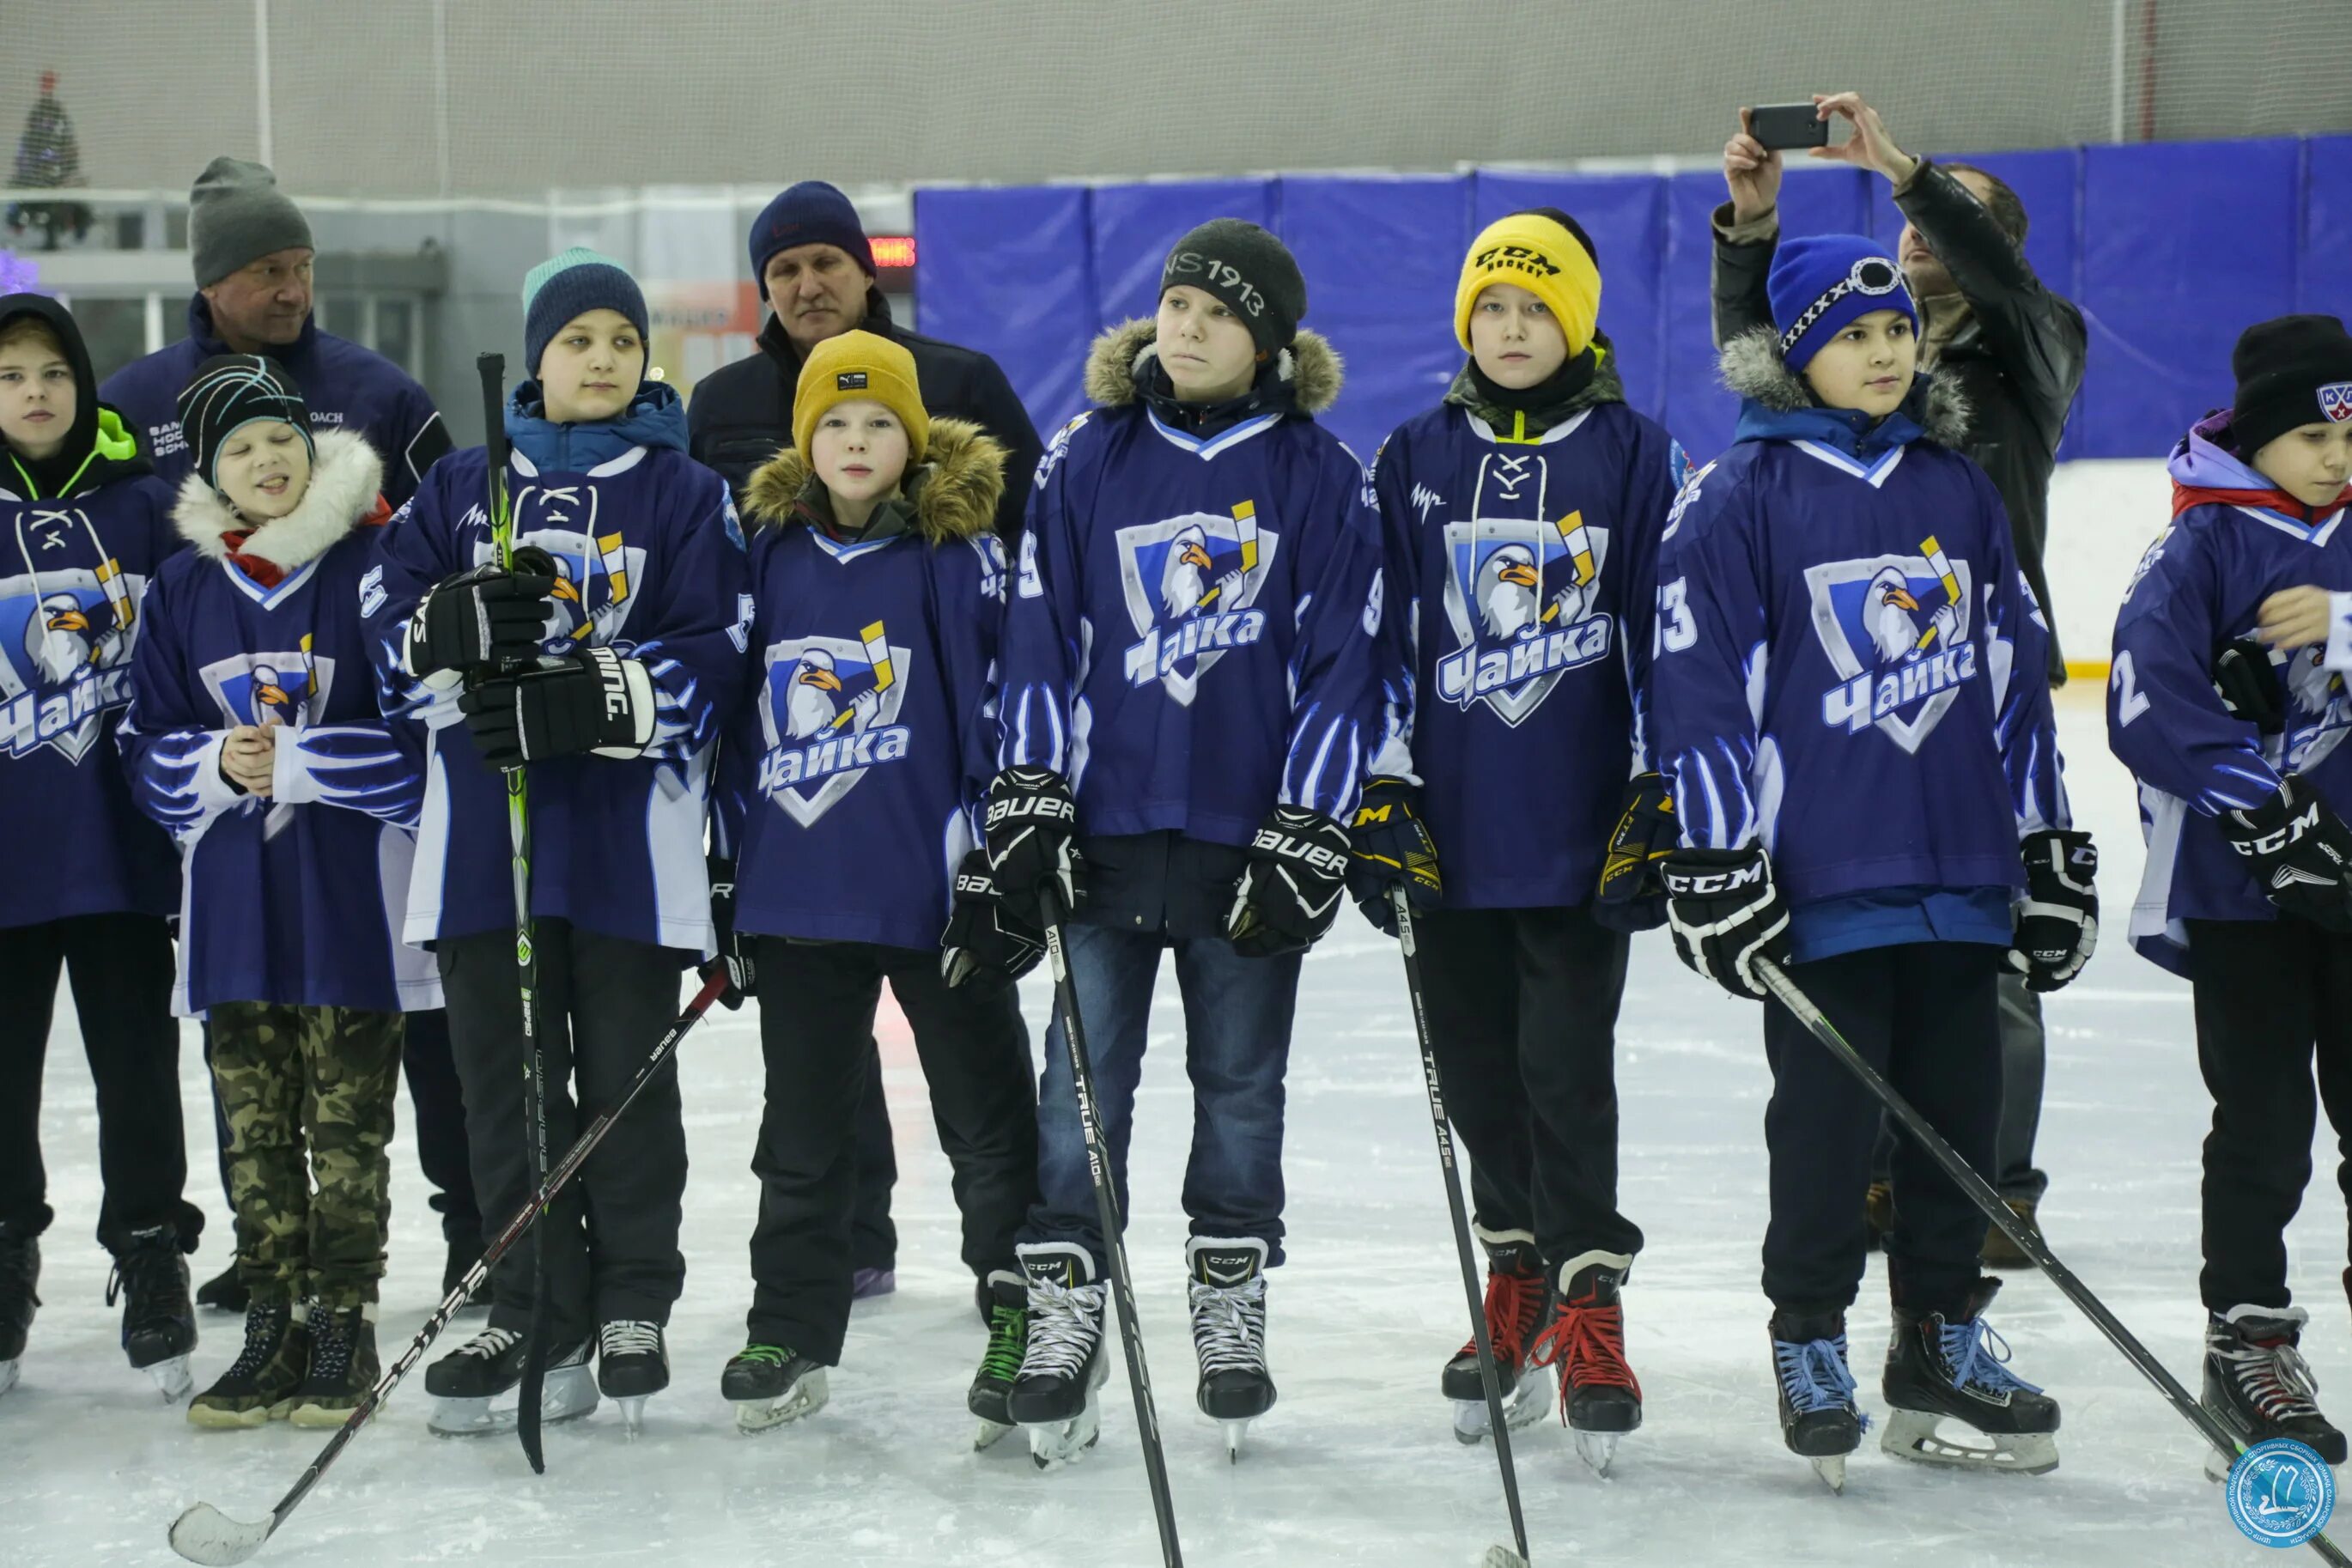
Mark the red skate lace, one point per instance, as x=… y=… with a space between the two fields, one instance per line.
x=1514 y=1302
x=1588 y=1343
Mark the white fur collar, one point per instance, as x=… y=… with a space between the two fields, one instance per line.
x=346 y=476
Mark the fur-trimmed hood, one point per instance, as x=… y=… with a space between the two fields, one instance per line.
x=1310 y=366
x=346 y=478
x=952 y=495
x=1752 y=366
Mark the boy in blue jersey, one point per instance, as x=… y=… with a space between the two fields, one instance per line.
x=1189 y=691
x=1863 y=791
x=1522 y=517
x=2227 y=703
x=255 y=738
x=84 y=526
x=848 y=801
x=627 y=622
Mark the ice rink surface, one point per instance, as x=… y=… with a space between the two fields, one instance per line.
x=1357 y=1464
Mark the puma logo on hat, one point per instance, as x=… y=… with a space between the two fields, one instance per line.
x=849 y=380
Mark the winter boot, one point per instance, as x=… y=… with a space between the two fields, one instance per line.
x=1999 y=1252
x=224 y=1292
x=342 y=1366
x=261 y=1385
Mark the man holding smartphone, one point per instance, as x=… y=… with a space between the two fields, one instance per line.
x=2015 y=349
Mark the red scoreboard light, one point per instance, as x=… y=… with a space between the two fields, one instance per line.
x=892 y=252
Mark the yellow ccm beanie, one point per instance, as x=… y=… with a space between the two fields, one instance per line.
x=1542 y=256
x=860 y=364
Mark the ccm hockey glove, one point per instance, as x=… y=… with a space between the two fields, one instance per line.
x=1031 y=826
x=2300 y=853
x=734 y=951
x=983 y=937
x=1726 y=913
x=1290 y=891
x=594 y=700
x=483 y=619
x=2058 y=924
x=1392 y=850
x=1629 y=896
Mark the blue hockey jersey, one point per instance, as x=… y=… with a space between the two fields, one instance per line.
x=295 y=898
x=1520 y=579
x=850 y=782
x=2234 y=540
x=651 y=564
x=1193 y=634
x=1839 y=617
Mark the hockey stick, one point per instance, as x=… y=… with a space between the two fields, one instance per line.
x=1122 y=1286
x=2026 y=1239
x=493 y=367
x=1498 y=1556
x=204 y=1534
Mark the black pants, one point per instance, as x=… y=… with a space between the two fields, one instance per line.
x=873 y=1239
x=1926 y=1015
x=2273 y=997
x=120 y=966
x=816 y=1025
x=612 y=1235
x=1523 y=1018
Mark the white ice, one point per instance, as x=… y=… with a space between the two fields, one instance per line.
x=1357 y=1465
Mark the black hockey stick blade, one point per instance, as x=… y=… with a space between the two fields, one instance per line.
x=204 y=1534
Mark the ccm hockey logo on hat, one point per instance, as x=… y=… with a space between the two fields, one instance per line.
x=1514 y=258
x=2335 y=402
x=849 y=380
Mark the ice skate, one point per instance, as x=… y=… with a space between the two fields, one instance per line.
x=20 y=1270
x=771 y=1385
x=1056 y=1397
x=344 y=1367
x=1939 y=1370
x=1517 y=1290
x=2258 y=1385
x=1228 y=1291
x=1819 y=1418
x=224 y=1292
x=1004 y=1302
x=159 y=1321
x=260 y=1386
x=1600 y=1398
x=475 y=1387
x=632 y=1365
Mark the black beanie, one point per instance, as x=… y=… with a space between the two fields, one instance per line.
x=1246 y=268
x=229 y=391
x=2292 y=371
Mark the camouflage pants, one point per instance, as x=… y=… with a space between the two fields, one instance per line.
x=307 y=1093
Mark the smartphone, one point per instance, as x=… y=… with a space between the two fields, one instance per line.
x=1780 y=125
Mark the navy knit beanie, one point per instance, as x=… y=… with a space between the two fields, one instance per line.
x=570 y=285
x=811 y=213
x=1823 y=281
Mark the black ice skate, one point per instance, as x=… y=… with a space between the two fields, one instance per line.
x=1819 y=1418
x=2258 y=1385
x=1054 y=1397
x=20 y=1270
x=771 y=1385
x=1005 y=1305
x=1228 y=1292
x=1600 y=1398
x=1517 y=1290
x=632 y=1365
x=159 y=1321
x=474 y=1387
x=1937 y=1368
x=224 y=1292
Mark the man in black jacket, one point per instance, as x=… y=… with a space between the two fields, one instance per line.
x=2015 y=349
x=809 y=253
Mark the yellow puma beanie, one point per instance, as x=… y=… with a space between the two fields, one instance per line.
x=1547 y=255
x=860 y=364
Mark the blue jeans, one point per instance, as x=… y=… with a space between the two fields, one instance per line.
x=1237 y=1015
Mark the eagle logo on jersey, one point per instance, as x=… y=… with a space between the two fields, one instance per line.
x=829 y=709
x=1191 y=583
x=1896 y=629
x=271 y=688
x=68 y=625
x=2335 y=402
x=597 y=570
x=2319 y=710
x=1522 y=587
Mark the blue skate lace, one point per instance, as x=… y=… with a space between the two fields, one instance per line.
x=1979 y=1358
x=1814 y=1376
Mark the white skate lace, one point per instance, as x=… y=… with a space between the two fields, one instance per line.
x=1064 y=1323
x=2276 y=1377
x=629 y=1336
x=490 y=1343
x=1229 y=1326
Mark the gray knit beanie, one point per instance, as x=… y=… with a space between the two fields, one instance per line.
x=236 y=215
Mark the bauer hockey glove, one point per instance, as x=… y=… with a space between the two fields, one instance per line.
x=479 y=620
x=2300 y=853
x=1726 y=913
x=1289 y=892
x=593 y=700
x=2246 y=679
x=1392 y=850
x=2058 y=923
x=734 y=951
x=983 y=937
x=1630 y=896
x=1031 y=827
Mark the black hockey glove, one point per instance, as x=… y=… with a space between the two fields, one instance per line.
x=2247 y=681
x=483 y=619
x=1726 y=912
x=2058 y=924
x=734 y=951
x=1629 y=896
x=2300 y=852
x=594 y=700
x=1392 y=850
x=1290 y=891
x=1031 y=825
x=983 y=936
